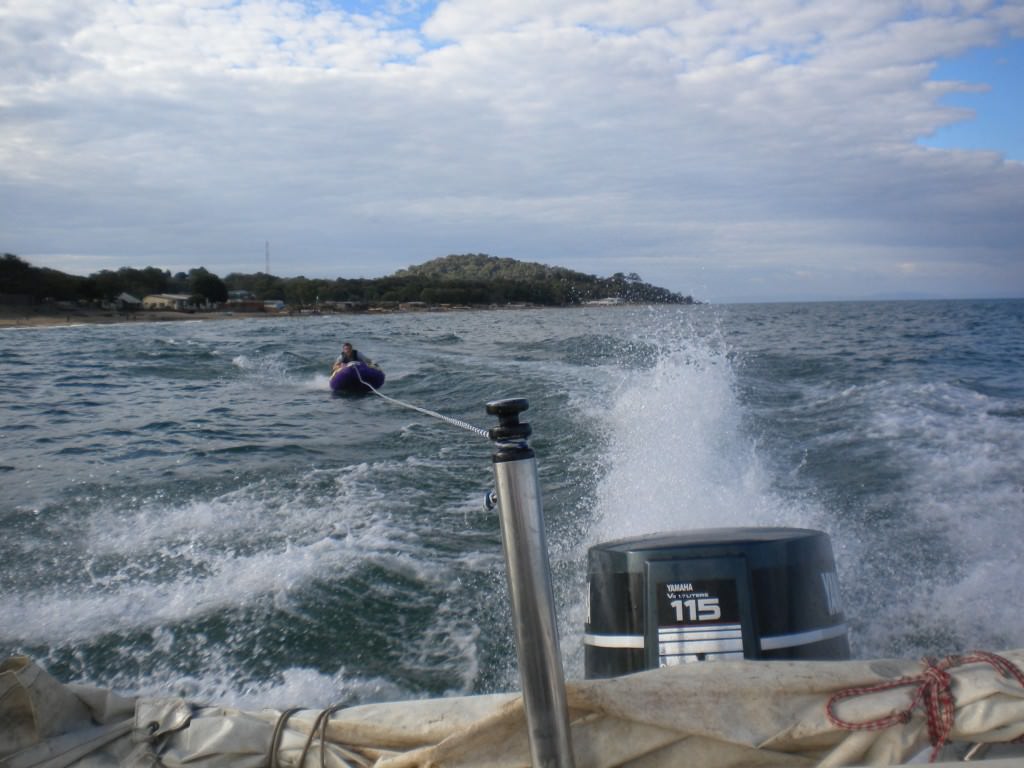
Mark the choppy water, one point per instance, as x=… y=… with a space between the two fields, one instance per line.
x=187 y=509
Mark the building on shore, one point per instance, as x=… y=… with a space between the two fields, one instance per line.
x=173 y=301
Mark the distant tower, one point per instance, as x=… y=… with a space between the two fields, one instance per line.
x=267 y=251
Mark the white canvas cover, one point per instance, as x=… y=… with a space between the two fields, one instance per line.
x=712 y=715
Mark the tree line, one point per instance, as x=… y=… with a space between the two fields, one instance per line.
x=466 y=279
x=19 y=278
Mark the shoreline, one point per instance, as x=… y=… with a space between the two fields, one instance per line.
x=35 y=317
x=14 y=316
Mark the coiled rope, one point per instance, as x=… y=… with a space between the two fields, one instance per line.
x=434 y=414
x=934 y=693
x=318 y=731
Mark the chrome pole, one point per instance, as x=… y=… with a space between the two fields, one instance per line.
x=529 y=585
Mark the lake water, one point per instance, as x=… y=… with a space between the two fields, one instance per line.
x=188 y=510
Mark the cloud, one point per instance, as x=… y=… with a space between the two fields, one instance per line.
x=706 y=146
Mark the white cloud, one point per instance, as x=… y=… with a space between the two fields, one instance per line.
x=702 y=145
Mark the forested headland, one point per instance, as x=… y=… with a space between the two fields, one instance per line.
x=465 y=279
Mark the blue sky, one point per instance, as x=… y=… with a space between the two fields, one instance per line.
x=996 y=119
x=743 y=150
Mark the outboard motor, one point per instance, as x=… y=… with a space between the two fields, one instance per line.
x=726 y=593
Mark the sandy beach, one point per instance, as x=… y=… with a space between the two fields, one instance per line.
x=21 y=316
x=35 y=316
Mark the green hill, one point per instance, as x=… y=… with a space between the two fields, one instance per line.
x=472 y=279
x=480 y=266
x=551 y=285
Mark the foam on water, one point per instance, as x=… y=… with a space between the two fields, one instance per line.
x=273 y=367
x=679 y=456
x=160 y=564
x=278 y=367
x=319 y=382
x=959 y=574
x=218 y=679
x=122 y=604
x=149 y=572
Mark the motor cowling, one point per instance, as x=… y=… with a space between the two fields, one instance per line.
x=704 y=595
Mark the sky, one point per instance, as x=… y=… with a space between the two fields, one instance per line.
x=733 y=150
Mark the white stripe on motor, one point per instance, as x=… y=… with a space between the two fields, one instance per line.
x=802 y=638
x=686 y=634
x=614 y=641
x=767 y=643
x=700 y=646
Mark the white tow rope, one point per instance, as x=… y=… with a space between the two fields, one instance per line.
x=433 y=414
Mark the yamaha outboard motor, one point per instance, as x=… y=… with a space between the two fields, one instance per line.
x=727 y=593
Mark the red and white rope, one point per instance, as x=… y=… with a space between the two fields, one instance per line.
x=933 y=693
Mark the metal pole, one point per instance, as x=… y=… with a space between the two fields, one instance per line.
x=529 y=585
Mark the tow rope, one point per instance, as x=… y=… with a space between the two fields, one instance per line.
x=433 y=414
